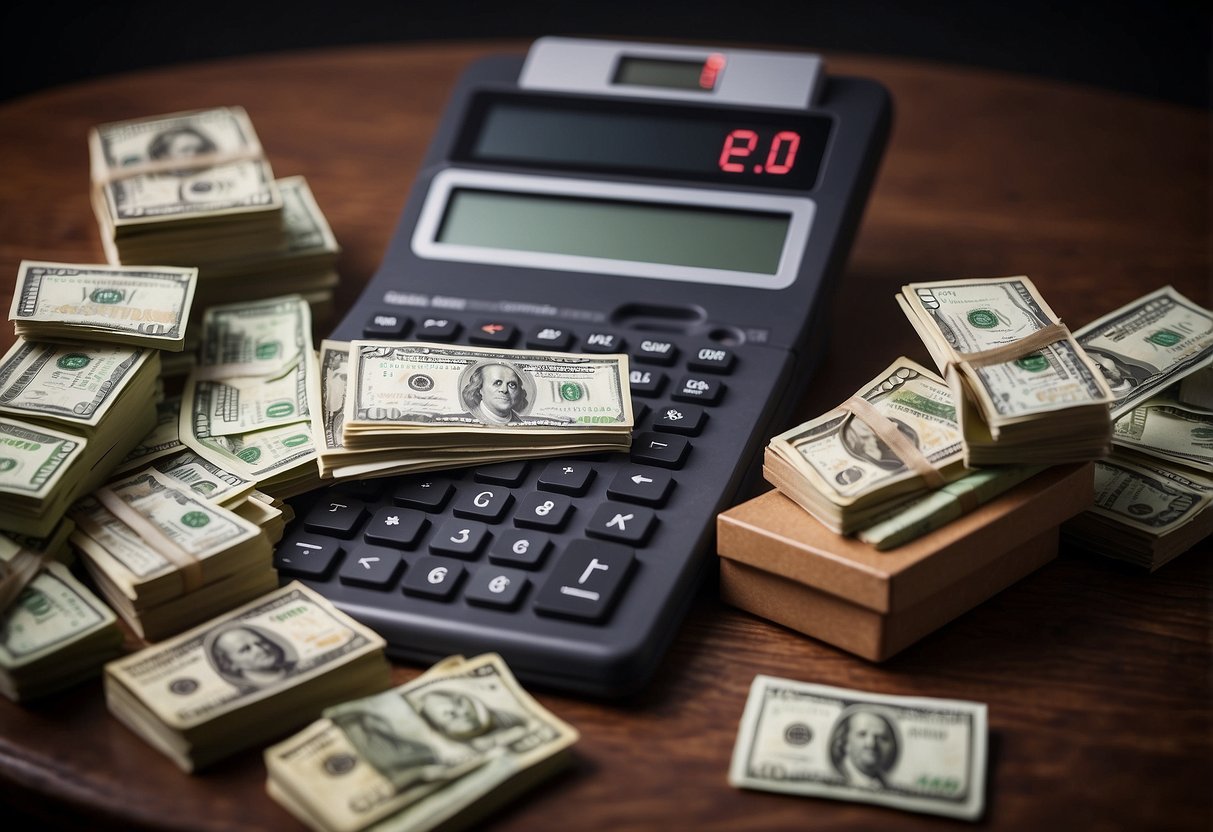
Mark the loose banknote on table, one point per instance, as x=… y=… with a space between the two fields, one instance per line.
x=1026 y=390
x=444 y=749
x=246 y=676
x=908 y=752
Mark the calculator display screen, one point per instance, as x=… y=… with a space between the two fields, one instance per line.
x=647 y=232
x=752 y=148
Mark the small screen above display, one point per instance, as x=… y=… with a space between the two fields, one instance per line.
x=669 y=73
x=752 y=148
x=678 y=235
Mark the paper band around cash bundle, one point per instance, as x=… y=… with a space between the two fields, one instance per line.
x=886 y=430
x=177 y=163
x=1018 y=348
x=189 y=566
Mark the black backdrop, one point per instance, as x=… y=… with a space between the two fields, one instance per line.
x=1154 y=48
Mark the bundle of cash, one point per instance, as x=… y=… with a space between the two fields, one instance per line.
x=71 y=413
x=445 y=749
x=196 y=189
x=167 y=554
x=1146 y=513
x=147 y=307
x=908 y=752
x=55 y=634
x=391 y=407
x=245 y=677
x=246 y=406
x=894 y=439
x=1026 y=391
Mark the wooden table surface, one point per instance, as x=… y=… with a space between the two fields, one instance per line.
x=1097 y=676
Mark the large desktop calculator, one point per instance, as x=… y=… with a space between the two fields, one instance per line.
x=691 y=207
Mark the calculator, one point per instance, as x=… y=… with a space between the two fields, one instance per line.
x=691 y=207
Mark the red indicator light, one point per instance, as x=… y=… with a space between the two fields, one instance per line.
x=757 y=168
x=711 y=69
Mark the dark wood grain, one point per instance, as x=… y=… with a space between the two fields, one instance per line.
x=1097 y=676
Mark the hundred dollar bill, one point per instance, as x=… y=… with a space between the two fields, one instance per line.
x=243 y=405
x=226 y=189
x=261 y=338
x=1149 y=344
x=454 y=739
x=163 y=142
x=329 y=397
x=163 y=440
x=959 y=317
x=245 y=676
x=1167 y=430
x=411 y=385
x=146 y=306
x=56 y=634
x=33 y=461
x=913 y=753
x=1147 y=497
x=69 y=383
x=205 y=478
x=843 y=459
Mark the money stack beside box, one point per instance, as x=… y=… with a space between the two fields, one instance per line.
x=780 y=563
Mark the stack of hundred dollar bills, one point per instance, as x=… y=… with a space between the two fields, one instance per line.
x=391 y=407
x=196 y=189
x=167 y=554
x=1026 y=391
x=246 y=406
x=246 y=677
x=443 y=750
x=887 y=463
x=1154 y=494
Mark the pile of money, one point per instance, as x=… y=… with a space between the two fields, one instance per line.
x=445 y=749
x=1027 y=391
x=161 y=441
x=245 y=677
x=196 y=189
x=391 y=407
x=1153 y=495
x=246 y=407
x=167 y=553
x=55 y=634
x=908 y=752
x=70 y=413
x=894 y=439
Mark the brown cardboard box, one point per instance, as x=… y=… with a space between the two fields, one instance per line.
x=780 y=563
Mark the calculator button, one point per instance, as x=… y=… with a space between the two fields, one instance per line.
x=385 y=325
x=432 y=578
x=306 y=556
x=652 y=351
x=626 y=524
x=425 y=493
x=395 y=527
x=437 y=329
x=549 y=338
x=660 y=449
x=520 y=547
x=494 y=587
x=366 y=490
x=647 y=486
x=586 y=580
x=543 y=511
x=503 y=473
x=459 y=539
x=603 y=342
x=712 y=360
x=569 y=477
x=699 y=389
x=338 y=516
x=685 y=419
x=371 y=567
x=483 y=502
x=493 y=334
x=646 y=382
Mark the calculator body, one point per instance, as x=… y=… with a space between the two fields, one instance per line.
x=579 y=570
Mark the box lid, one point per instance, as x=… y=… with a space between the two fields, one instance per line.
x=772 y=533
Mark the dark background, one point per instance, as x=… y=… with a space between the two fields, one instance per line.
x=1155 y=49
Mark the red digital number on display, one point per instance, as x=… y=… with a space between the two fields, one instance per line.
x=739 y=144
